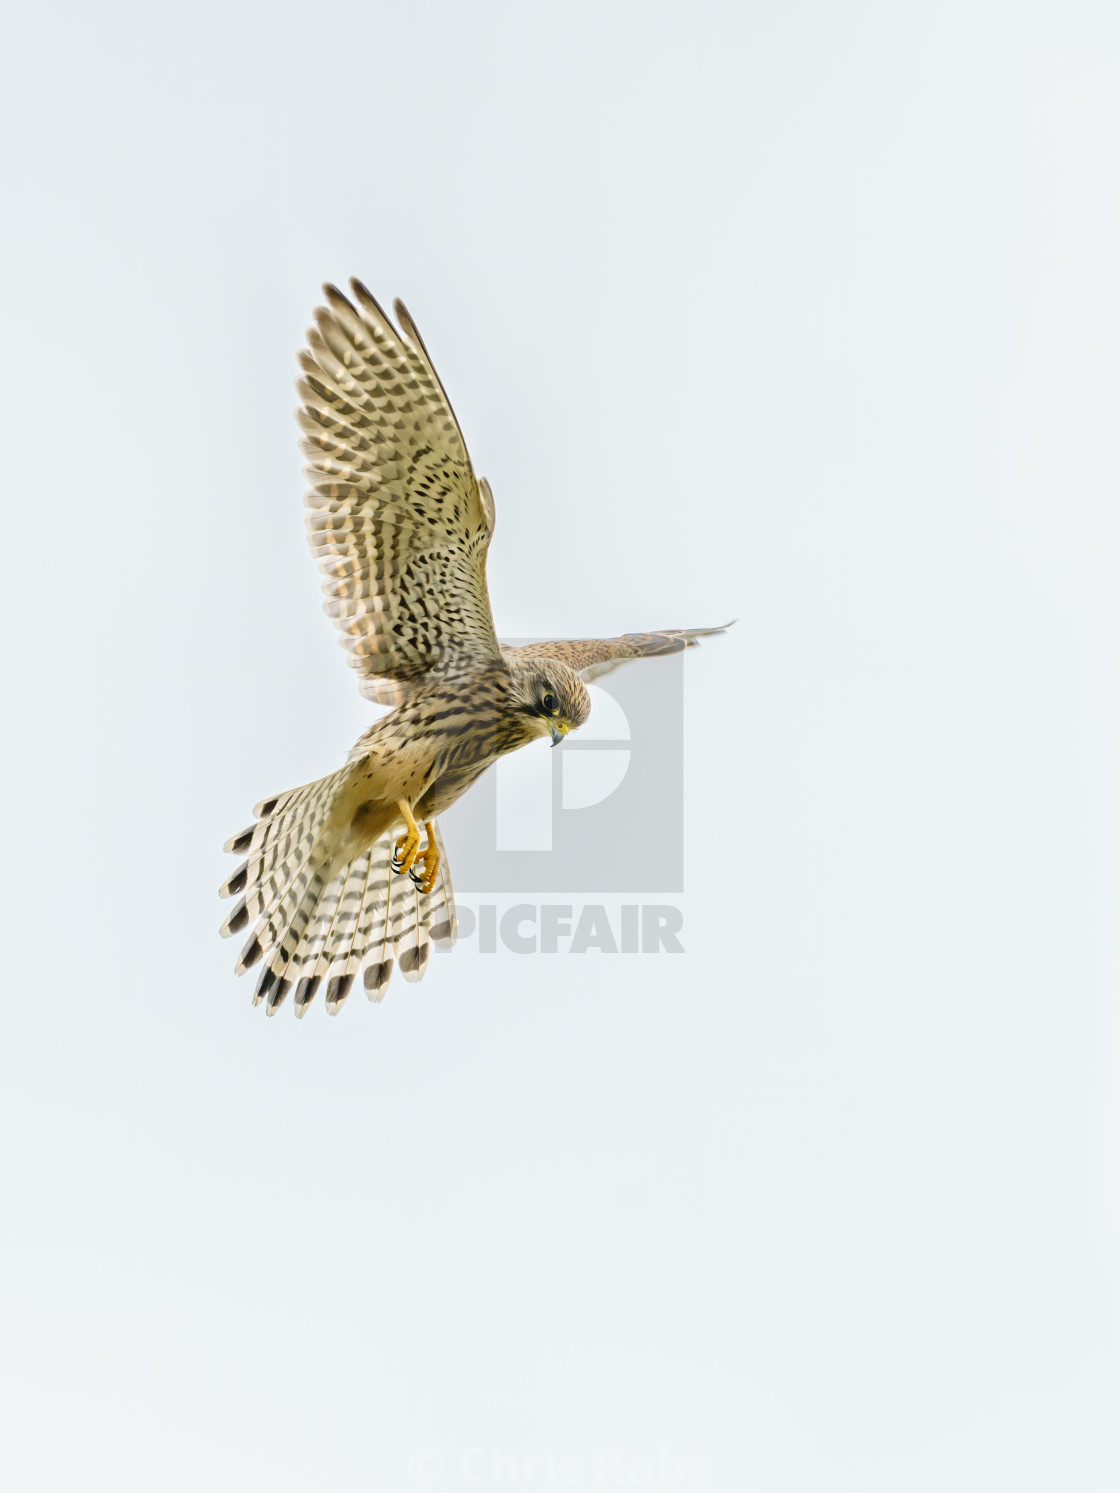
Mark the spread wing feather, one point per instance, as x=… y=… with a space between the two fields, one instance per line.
x=397 y=519
x=591 y=658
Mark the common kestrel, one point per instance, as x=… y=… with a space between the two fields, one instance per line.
x=338 y=879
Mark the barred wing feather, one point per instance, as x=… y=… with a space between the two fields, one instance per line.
x=397 y=519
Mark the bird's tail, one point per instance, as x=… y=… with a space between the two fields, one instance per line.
x=313 y=919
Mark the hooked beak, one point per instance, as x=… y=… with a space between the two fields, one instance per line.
x=559 y=730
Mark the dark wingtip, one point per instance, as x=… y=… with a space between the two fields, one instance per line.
x=277 y=996
x=376 y=978
x=365 y=297
x=250 y=954
x=305 y=992
x=414 y=960
x=338 y=988
x=238 y=919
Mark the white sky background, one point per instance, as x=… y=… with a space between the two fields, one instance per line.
x=808 y=314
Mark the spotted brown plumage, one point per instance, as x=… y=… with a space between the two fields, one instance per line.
x=347 y=876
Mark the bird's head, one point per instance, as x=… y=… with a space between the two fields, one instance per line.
x=551 y=696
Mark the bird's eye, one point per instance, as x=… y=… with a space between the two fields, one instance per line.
x=550 y=703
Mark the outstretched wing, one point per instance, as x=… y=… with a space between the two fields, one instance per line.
x=396 y=518
x=593 y=657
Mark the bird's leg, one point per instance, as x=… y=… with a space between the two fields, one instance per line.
x=429 y=858
x=409 y=843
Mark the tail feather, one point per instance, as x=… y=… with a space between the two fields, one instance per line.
x=346 y=954
x=379 y=968
x=274 y=869
x=412 y=937
x=373 y=921
x=303 y=899
x=303 y=964
x=273 y=841
x=314 y=955
x=406 y=930
x=275 y=923
x=308 y=926
x=444 y=925
x=271 y=815
x=264 y=898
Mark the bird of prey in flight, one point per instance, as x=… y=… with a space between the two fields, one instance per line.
x=347 y=874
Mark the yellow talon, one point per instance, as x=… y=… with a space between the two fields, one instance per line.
x=429 y=860
x=408 y=844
